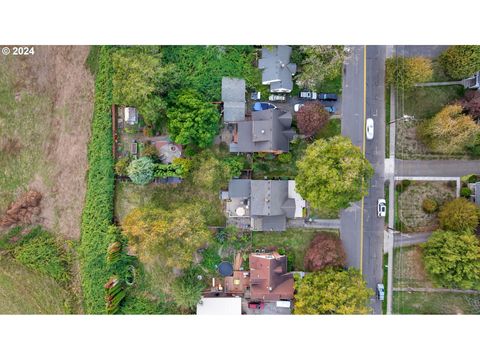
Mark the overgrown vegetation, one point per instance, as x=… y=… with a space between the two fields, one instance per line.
x=461 y=61
x=98 y=210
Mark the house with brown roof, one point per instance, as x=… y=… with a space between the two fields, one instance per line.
x=269 y=279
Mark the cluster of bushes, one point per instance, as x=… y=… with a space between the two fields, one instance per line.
x=98 y=211
x=144 y=170
x=452 y=254
x=403 y=185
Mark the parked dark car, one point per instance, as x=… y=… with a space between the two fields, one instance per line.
x=256 y=305
x=259 y=106
x=327 y=97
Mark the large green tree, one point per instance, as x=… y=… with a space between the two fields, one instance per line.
x=459 y=215
x=141 y=80
x=450 y=131
x=404 y=72
x=332 y=292
x=333 y=173
x=168 y=236
x=461 y=61
x=453 y=259
x=320 y=63
x=193 y=121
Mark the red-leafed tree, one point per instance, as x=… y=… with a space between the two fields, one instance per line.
x=311 y=118
x=471 y=103
x=325 y=250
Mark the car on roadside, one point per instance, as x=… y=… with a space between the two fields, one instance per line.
x=330 y=109
x=257 y=305
x=381 y=208
x=306 y=94
x=369 y=129
x=275 y=97
x=259 y=106
x=297 y=107
x=327 y=97
x=380 y=292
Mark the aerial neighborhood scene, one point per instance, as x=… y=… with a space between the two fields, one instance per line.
x=240 y=179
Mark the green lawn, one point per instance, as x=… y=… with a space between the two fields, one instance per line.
x=331 y=129
x=25 y=292
x=385 y=282
x=423 y=303
x=24 y=126
x=425 y=102
x=295 y=241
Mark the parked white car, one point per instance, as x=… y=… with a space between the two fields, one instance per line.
x=381 y=208
x=297 y=107
x=380 y=292
x=277 y=97
x=369 y=129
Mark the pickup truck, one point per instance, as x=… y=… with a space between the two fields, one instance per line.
x=311 y=95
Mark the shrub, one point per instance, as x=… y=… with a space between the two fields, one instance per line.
x=98 y=209
x=465 y=192
x=150 y=151
x=121 y=166
x=311 y=118
x=405 y=72
x=429 y=205
x=141 y=171
x=42 y=254
x=285 y=158
x=461 y=61
x=449 y=131
x=187 y=290
x=453 y=259
x=168 y=170
x=210 y=258
x=234 y=165
x=459 y=215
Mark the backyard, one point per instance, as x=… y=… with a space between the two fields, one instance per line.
x=423 y=103
x=45 y=126
x=411 y=217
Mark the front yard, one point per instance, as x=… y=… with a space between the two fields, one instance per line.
x=423 y=103
x=411 y=216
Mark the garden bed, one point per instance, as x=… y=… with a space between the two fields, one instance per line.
x=411 y=216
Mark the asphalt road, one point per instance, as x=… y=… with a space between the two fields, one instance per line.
x=362 y=236
x=352 y=127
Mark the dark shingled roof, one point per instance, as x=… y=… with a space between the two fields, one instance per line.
x=277 y=69
x=269 y=130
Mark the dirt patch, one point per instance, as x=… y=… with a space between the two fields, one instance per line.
x=410 y=212
x=58 y=75
x=24 y=211
x=409 y=269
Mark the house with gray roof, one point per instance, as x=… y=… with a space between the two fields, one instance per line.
x=268 y=131
x=233 y=98
x=277 y=70
x=265 y=205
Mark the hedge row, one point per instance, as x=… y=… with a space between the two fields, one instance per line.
x=98 y=212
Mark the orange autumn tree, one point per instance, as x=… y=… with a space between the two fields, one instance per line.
x=171 y=236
